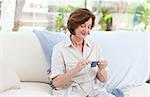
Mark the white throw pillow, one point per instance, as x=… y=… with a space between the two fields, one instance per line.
x=8 y=76
x=22 y=50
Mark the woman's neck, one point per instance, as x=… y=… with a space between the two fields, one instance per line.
x=77 y=41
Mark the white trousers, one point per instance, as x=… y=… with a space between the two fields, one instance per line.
x=94 y=93
x=76 y=90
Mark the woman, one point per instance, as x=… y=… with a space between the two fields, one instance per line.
x=72 y=74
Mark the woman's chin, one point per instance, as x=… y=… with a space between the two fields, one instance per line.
x=83 y=37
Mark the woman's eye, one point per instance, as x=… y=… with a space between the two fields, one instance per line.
x=89 y=27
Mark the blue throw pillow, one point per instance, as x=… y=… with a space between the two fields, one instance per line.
x=48 y=40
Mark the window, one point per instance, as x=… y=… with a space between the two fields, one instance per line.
x=47 y=14
x=52 y=15
x=0 y=13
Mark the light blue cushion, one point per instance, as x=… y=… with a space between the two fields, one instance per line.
x=48 y=40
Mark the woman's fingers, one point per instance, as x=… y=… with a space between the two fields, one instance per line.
x=83 y=63
x=102 y=64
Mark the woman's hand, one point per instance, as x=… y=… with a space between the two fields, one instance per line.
x=102 y=64
x=82 y=64
x=102 y=74
x=64 y=79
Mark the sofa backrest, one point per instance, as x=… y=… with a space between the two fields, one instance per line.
x=126 y=52
x=23 y=51
x=127 y=55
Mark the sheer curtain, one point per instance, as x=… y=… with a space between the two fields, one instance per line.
x=18 y=13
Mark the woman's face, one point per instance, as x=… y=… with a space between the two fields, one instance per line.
x=84 y=29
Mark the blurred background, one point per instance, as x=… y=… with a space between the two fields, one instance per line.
x=52 y=15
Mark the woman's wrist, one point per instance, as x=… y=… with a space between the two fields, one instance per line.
x=102 y=75
x=102 y=69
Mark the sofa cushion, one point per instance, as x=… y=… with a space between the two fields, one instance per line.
x=29 y=89
x=140 y=91
x=23 y=51
x=8 y=76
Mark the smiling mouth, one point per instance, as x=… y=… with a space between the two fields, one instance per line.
x=84 y=34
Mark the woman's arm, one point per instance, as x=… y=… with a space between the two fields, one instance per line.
x=64 y=79
x=102 y=74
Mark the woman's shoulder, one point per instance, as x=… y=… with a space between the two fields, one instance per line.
x=64 y=43
x=59 y=44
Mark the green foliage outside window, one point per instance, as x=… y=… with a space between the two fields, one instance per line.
x=60 y=19
x=106 y=21
x=142 y=14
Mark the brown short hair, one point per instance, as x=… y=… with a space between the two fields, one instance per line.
x=78 y=17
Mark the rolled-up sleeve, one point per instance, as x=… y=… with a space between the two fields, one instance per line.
x=57 y=64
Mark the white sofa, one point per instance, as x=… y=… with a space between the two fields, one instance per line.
x=21 y=52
